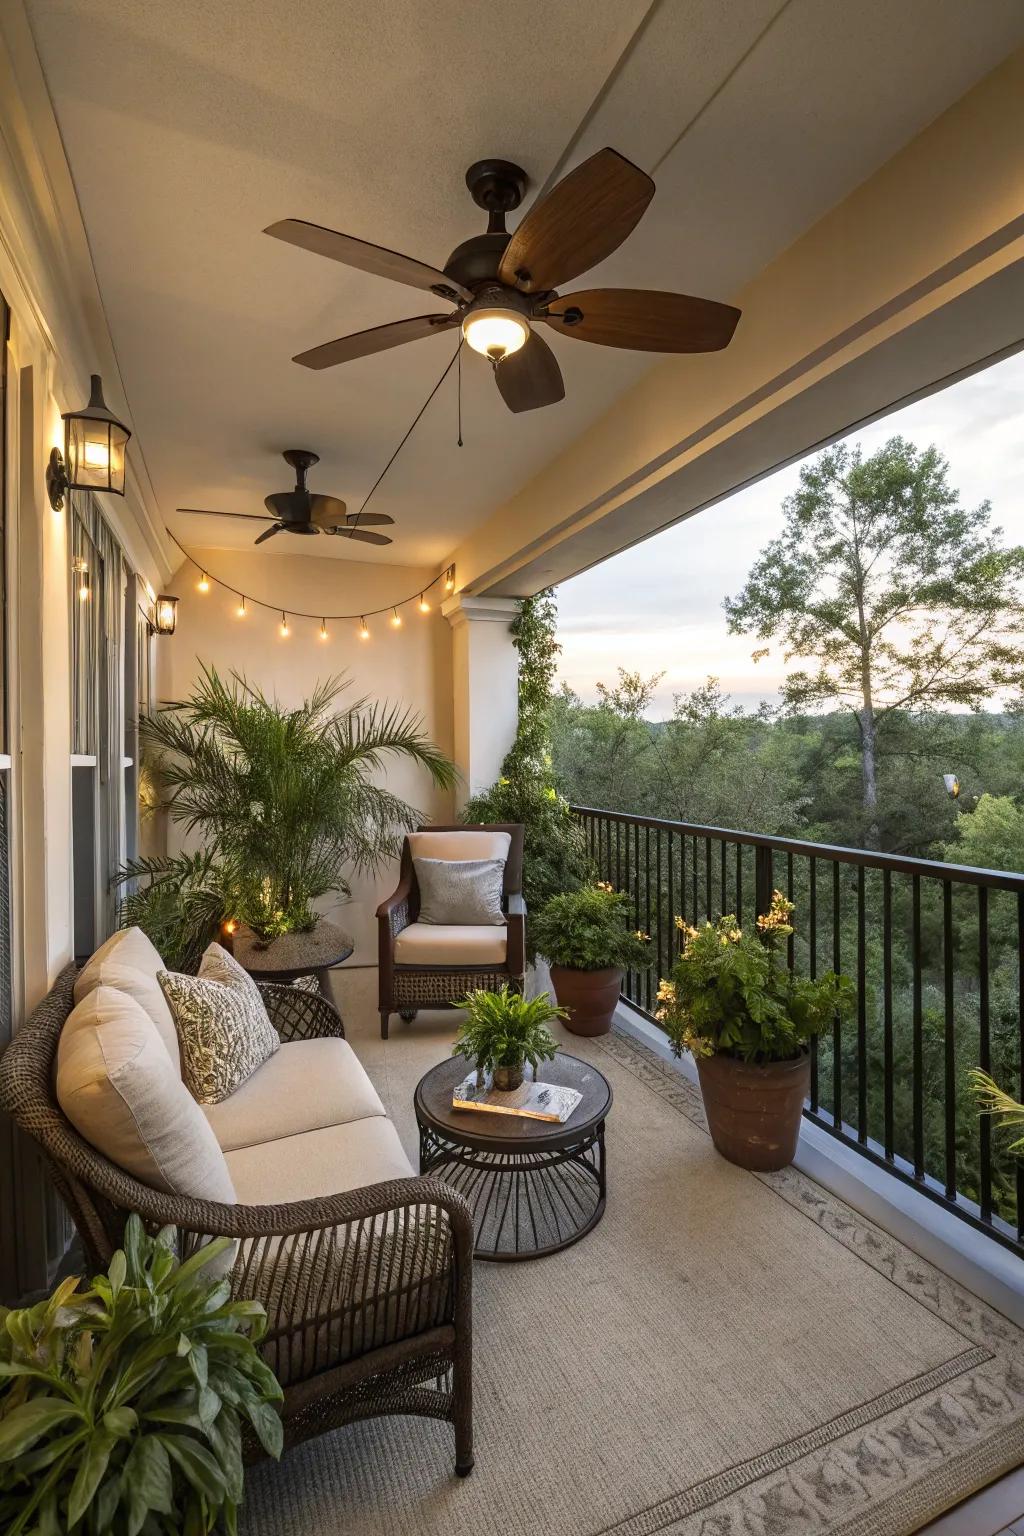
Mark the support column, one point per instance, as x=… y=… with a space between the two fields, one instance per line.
x=485 y=686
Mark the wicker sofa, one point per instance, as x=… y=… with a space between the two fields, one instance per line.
x=368 y=1289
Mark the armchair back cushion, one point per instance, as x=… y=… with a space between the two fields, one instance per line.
x=121 y=1092
x=129 y=962
x=459 y=844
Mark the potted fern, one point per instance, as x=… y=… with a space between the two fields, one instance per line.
x=748 y=1022
x=587 y=940
x=286 y=803
x=502 y=1031
x=122 y=1406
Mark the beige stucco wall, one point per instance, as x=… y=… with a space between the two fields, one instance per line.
x=410 y=666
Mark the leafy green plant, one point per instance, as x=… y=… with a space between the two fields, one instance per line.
x=554 y=845
x=284 y=800
x=993 y=1100
x=179 y=902
x=728 y=995
x=121 y=1407
x=589 y=930
x=506 y=1029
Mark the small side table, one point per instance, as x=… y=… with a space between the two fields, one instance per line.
x=293 y=954
x=534 y=1187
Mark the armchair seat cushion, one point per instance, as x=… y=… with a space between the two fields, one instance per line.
x=423 y=944
x=305 y=1086
x=328 y=1161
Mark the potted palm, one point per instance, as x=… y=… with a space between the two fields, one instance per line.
x=748 y=1022
x=284 y=801
x=122 y=1406
x=502 y=1031
x=586 y=938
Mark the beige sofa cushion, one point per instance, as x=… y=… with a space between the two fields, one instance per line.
x=437 y=944
x=129 y=962
x=307 y=1085
x=459 y=845
x=323 y=1162
x=120 y=1090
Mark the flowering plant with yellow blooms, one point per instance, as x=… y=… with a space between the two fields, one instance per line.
x=727 y=993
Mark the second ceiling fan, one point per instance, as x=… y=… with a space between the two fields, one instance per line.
x=504 y=285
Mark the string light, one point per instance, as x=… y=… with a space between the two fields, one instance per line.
x=423 y=605
x=364 y=630
x=241 y=609
x=323 y=629
x=203 y=584
x=396 y=619
x=449 y=579
x=284 y=625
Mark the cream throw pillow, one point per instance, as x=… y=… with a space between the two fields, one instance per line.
x=224 y=1031
x=129 y=962
x=119 y=1089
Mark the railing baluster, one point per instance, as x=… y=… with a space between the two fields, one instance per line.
x=647 y=922
x=693 y=874
x=918 y=1028
x=812 y=966
x=739 y=884
x=708 y=913
x=887 y=1044
x=1020 y=1047
x=837 y=1028
x=658 y=911
x=862 y=1013
x=984 y=1058
x=791 y=941
x=949 y=1038
x=724 y=888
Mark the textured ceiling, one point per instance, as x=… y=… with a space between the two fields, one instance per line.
x=189 y=127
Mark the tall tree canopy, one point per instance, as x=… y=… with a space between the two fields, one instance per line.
x=897 y=597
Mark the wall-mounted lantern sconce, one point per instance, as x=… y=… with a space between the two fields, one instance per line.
x=93 y=457
x=166 y=614
x=952 y=784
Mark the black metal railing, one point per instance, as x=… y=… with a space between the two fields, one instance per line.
x=935 y=952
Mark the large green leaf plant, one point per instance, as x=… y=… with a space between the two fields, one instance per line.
x=122 y=1406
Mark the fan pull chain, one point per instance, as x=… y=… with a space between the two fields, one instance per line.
x=459 y=389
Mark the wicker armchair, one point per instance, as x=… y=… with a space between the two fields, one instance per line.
x=406 y=987
x=368 y=1293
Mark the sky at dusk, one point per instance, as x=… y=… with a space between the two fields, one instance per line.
x=658 y=607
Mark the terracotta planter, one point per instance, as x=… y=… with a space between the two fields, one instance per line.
x=588 y=996
x=754 y=1111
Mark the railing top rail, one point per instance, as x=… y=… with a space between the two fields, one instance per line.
x=897 y=863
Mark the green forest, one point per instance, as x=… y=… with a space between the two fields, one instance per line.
x=900 y=615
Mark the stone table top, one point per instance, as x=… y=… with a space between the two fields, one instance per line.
x=296 y=954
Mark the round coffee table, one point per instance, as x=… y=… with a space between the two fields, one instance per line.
x=535 y=1187
x=293 y=954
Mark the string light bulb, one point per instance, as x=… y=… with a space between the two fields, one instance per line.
x=241 y=608
x=449 y=579
x=284 y=625
x=323 y=629
x=396 y=619
x=423 y=605
x=203 y=584
x=364 y=630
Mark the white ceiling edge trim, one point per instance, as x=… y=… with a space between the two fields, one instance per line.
x=44 y=238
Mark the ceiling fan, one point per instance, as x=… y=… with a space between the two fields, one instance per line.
x=502 y=285
x=307 y=512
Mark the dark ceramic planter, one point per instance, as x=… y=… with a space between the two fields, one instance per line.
x=589 y=997
x=754 y=1111
x=507 y=1078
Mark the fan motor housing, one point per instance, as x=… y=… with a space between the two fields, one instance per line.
x=475 y=261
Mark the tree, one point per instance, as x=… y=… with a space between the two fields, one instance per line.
x=900 y=599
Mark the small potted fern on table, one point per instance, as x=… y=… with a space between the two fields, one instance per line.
x=502 y=1031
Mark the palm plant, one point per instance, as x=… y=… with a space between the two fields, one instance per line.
x=284 y=801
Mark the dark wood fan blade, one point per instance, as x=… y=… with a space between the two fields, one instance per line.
x=367 y=258
x=644 y=320
x=369 y=520
x=268 y=533
x=530 y=377
x=364 y=535
x=249 y=517
x=584 y=218
x=365 y=343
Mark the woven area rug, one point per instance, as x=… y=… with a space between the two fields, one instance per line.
x=727 y=1354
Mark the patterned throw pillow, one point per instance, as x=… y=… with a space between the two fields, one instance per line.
x=224 y=1031
x=461 y=891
